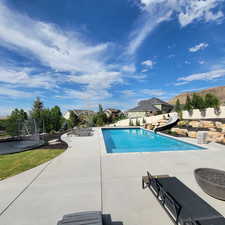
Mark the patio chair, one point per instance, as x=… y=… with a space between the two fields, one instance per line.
x=93 y=217
x=84 y=133
x=181 y=204
x=88 y=218
x=86 y=128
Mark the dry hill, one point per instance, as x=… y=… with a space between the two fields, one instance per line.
x=218 y=91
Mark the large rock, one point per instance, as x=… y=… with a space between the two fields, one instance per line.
x=182 y=123
x=180 y=131
x=212 y=129
x=192 y=134
x=223 y=141
x=215 y=136
x=207 y=124
x=194 y=123
x=223 y=128
x=219 y=124
x=149 y=126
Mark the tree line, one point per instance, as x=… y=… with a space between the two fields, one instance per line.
x=198 y=102
x=50 y=120
x=46 y=119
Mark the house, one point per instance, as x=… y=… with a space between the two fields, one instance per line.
x=79 y=112
x=113 y=113
x=150 y=107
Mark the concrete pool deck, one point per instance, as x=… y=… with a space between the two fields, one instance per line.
x=87 y=178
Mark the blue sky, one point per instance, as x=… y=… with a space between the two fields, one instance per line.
x=77 y=54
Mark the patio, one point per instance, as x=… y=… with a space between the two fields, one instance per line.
x=86 y=178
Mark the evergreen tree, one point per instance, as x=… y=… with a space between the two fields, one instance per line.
x=74 y=118
x=100 y=108
x=15 y=121
x=131 y=122
x=143 y=121
x=197 y=102
x=46 y=121
x=178 y=106
x=56 y=118
x=188 y=105
x=211 y=101
x=37 y=110
x=137 y=122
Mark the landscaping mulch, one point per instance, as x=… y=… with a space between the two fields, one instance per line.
x=61 y=145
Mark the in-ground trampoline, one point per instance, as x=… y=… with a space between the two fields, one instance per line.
x=10 y=147
x=27 y=138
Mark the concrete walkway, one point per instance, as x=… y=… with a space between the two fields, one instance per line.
x=87 y=178
x=69 y=183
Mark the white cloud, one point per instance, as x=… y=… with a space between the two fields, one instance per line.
x=100 y=80
x=13 y=93
x=23 y=77
x=129 y=68
x=143 y=92
x=139 y=77
x=60 y=50
x=148 y=22
x=198 y=47
x=213 y=16
x=187 y=62
x=153 y=92
x=198 y=10
x=201 y=62
x=144 y=70
x=69 y=57
x=128 y=93
x=87 y=95
x=148 y=63
x=158 y=11
x=211 y=75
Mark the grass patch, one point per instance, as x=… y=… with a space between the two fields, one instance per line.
x=13 y=164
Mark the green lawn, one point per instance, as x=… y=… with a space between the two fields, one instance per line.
x=13 y=164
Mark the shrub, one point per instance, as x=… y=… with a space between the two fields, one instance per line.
x=137 y=122
x=188 y=105
x=143 y=121
x=131 y=122
x=178 y=106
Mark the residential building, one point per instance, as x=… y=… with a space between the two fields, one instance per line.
x=150 y=107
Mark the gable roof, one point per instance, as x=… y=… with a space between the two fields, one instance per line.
x=152 y=101
x=144 y=108
x=148 y=105
x=79 y=112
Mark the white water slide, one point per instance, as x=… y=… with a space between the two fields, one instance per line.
x=173 y=120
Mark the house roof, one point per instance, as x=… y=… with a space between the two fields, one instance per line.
x=148 y=105
x=81 y=111
x=144 y=108
x=152 y=101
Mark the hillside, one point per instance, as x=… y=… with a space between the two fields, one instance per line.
x=218 y=91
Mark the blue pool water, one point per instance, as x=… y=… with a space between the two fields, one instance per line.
x=140 y=140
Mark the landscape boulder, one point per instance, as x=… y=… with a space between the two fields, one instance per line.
x=195 y=124
x=207 y=124
x=192 y=134
x=219 y=124
x=183 y=132
x=149 y=126
x=215 y=136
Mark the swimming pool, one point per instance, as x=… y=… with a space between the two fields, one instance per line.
x=139 y=140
